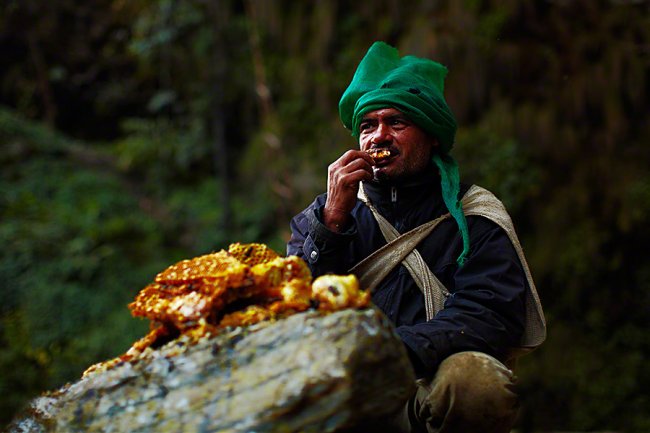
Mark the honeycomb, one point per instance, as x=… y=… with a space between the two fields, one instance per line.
x=252 y=254
x=379 y=154
x=246 y=284
x=335 y=292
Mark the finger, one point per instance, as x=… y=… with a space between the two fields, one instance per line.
x=340 y=167
x=358 y=164
x=353 y=178
x=352 y=155
x=369 y=159
x=346 y=178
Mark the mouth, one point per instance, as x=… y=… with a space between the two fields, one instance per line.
x=381 y=156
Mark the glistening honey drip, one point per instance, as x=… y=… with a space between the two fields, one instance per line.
x=247 y=284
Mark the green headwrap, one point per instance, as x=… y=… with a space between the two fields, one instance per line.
x=415 y=87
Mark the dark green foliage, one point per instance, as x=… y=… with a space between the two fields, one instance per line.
x=75 y=250
x=178 y=127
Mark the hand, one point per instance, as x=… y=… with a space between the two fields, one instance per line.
x=343 y=177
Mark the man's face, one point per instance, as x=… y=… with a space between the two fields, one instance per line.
x=410 y=146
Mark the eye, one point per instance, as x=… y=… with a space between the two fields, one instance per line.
x=365 y=126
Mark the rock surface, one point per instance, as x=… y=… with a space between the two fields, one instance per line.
x=308 y=373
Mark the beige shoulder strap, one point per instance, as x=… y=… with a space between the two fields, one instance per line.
x=401 y=248
x=481 y=202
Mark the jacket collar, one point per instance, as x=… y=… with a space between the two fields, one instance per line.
x=424 y=187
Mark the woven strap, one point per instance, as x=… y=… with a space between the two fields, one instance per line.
x=481 y=202
x=401 y=249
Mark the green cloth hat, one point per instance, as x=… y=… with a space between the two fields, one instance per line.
x=415 y=87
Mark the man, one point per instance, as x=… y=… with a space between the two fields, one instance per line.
x=462 y=301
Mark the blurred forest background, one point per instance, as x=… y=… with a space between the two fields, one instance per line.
x=137 y=133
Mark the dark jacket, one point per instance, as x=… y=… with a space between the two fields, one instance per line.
x=485 y=311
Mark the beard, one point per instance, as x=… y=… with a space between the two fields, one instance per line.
x=405 y=171
x=398 y=177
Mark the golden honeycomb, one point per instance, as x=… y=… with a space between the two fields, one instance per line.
x=335 y=292
x=252 y=254
x=244 y=285
x=220 y=265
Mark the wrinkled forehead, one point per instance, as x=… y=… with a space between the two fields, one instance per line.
x=383 y=113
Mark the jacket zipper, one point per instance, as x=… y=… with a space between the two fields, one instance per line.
x=393 y=194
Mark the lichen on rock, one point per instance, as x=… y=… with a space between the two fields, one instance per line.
x=311 y=372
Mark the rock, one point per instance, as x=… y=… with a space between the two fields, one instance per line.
x=309 y=372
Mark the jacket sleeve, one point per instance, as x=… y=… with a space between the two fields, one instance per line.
x=324 y=250
x=485 y=311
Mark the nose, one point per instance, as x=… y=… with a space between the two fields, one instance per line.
x=381 y=134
